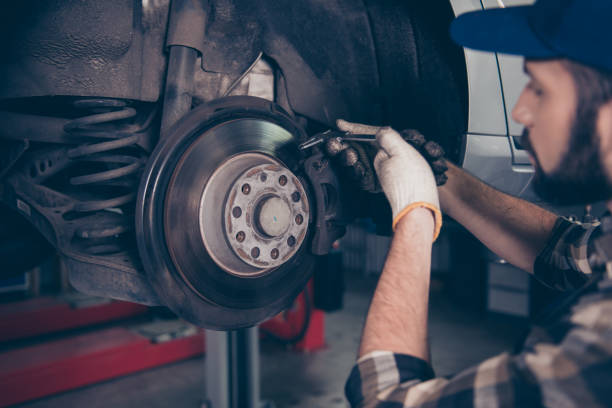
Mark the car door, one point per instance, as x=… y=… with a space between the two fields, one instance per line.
x=491 y=150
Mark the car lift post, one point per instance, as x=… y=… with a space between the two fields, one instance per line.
x=232 y=369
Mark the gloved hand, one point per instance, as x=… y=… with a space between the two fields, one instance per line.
x=357 y=160
x=405 y=177
x=357 y=157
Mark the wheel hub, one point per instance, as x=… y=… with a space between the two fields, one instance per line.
x=264 y=214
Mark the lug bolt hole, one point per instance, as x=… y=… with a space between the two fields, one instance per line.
x=299 y=219
x=263 y=177
x=291 y=241
x=282 y=180
x=255 y=252
x=240 y=236
x=237 y=212
x=274 y=253
x=295 y=197
x=246 y=189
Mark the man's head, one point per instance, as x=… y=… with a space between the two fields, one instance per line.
x=561 y=108
x=567 y=106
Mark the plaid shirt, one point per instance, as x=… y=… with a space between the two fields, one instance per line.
x=568 y=363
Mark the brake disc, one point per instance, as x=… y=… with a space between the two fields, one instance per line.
x=224 y=214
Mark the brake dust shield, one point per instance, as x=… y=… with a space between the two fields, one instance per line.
x=223 y=215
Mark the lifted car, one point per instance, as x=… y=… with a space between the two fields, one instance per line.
x=154 y=144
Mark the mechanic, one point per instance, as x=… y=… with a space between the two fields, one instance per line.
x=566 y=109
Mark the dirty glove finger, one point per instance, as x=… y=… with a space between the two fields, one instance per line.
x=413 y=136
x=441 y=179
x=349 y=156
x=367 y=180
x=356 y=163
x=433 y=150
x=356 y=159
x=439 y=166
x=356 y=128
x=335 y=146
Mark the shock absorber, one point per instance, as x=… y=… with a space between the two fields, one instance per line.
x=103 y=177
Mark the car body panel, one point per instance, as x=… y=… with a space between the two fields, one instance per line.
x=491 y=151
x=513 y=81
x=489 y=158
x=486 y=109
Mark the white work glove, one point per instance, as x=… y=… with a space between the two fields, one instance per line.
x=430 y=150
x=405 y=177
x=404 y=174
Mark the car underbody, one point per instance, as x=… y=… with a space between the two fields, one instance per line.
x=154 y=146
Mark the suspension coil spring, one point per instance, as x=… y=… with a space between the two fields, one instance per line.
x=107 y=170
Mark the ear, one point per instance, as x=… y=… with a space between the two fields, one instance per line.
x=604 y=129
x=604 y=126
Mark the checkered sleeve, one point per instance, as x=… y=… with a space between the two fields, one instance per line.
x=563 y=264
x=575 y=370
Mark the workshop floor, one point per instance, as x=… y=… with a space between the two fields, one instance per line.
x=458 y=337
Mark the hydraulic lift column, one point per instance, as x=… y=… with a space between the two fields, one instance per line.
x=232 y=369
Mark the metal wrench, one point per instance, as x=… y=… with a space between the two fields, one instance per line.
x=339 y=135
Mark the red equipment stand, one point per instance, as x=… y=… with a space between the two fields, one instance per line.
x=288 y=323
x=37 y=371
x=51 y=314
x=59 y=365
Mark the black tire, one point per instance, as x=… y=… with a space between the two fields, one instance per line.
x=423 y=76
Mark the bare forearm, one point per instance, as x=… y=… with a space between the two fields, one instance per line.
x=397 y=319
x=511 y=227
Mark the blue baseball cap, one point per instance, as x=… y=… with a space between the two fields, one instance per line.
x=580 y=30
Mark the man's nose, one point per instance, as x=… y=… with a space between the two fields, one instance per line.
x=522 y=112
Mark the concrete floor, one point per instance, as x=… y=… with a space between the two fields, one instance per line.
x=459 y=338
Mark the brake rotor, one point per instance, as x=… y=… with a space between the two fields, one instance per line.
x=223 y=214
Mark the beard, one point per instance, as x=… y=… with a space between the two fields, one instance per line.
x=580 y=177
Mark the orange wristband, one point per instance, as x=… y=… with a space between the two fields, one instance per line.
x=422 y=204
